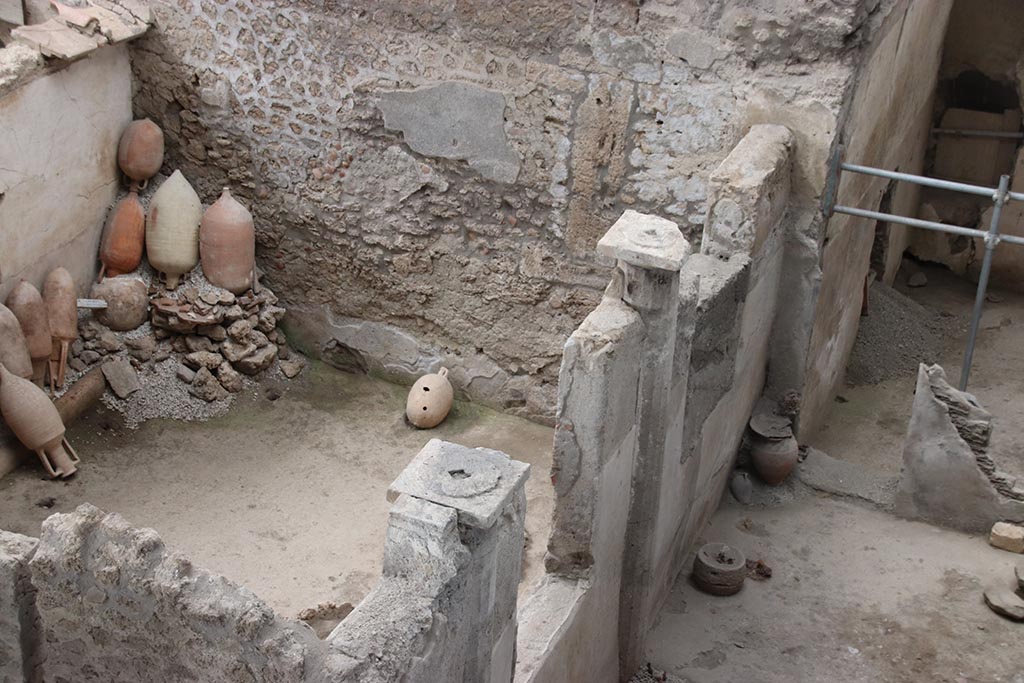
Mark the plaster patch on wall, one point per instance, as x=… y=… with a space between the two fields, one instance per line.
x=455 y=120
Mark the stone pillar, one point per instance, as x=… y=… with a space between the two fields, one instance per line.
x=19 y=621
x=649 y=251
x=487 y=490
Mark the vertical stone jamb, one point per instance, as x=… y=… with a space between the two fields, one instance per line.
x=487 y=490
x=649 y=252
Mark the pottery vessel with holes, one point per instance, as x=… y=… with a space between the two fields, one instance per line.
x=430 y=399
x=719 y=569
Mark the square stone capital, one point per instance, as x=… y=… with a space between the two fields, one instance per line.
x=477 y=482
x=645 y=241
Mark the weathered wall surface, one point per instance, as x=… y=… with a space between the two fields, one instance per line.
x=95 y=599
x=647 y=431
x=19 y=628
x=58 y=166
x=431 y=178
x=886 y=126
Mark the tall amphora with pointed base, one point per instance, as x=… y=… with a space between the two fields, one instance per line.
x=27 y=305
x=227 y=244
x=35 y=421
x=172 y=229
x=13 y=347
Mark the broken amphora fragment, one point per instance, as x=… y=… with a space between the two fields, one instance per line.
x=429 y=400
x=35 y=421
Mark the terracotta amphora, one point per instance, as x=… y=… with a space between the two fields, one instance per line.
x=141 y=150
x=13 y=347
x=127 y=302
x=123 y=237
x=429 y=400
x=62 y=309
x=35 y=421
x=227 y=244
x=26 y=303
x=172 y=229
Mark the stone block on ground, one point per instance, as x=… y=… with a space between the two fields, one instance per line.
x=258 y=361
x=292 y=367
x=1007 y=537
x=822 y=472
x=206 y=386
x=122 y=377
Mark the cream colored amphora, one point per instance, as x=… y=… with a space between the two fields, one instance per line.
x=430 y=399
x=35 y=421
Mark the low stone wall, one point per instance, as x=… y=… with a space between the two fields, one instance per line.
x=95 y=599
x=655 y=392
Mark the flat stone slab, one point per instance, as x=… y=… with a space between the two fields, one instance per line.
x=1004 y=602
x=1019 y=573
x=645 y=241
x=1007 y=536
x=121 y=377
x=476 y=482
x=822 y=472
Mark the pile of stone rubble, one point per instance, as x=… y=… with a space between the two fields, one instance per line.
x=199 y=337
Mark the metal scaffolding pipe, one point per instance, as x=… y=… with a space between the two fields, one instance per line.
x=991 y=240
x=927 y=225
x=977 y=133
x=928 y=182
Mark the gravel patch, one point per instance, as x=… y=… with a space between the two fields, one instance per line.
x=897 y=334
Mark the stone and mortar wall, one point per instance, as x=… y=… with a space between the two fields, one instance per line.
x=95 y=599
x=640 y=462
x=886 y=125
x=429 y=179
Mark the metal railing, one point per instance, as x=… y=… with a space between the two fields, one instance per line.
x=999 y=195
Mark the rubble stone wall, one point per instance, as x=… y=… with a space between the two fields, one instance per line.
x=429 y=179
x=628 y=505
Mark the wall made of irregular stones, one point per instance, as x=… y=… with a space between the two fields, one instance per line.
x=456 y=223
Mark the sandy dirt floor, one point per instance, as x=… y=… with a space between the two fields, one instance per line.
x=286 y=493
x=855 y=596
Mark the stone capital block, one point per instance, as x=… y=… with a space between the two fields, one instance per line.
x=478 y=483
x=645 y=241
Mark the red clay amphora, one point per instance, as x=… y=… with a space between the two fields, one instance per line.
x=35 y=421
x=429 y=400
x=141 y=150
x=62 y=309
x=26 y=303
x=227 y=244
x=13 y=347
x=172 y=228
x=124 y=237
